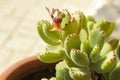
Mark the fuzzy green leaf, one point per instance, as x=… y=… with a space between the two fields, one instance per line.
x=106 y=26
x=83 y=35
x=85 y=47
x=90 y=19
x=115 y=73
x=81 y=20
x=106 y=64
x=96 y=37
x=72 y=41
x=69 y=28
x=114 y=43
x=79 y=74
x=62 y=71
x=51 y=57
x=118 y=51
x=79 y=58
x=96 y=56
x=52 y=35
x=44 y=37
x=94 y=53
x=90 y=26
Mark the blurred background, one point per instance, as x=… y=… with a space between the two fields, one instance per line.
x=18 y=23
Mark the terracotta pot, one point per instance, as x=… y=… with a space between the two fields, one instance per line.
x=23 y=68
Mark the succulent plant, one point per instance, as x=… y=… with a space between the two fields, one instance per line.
x=81 y=46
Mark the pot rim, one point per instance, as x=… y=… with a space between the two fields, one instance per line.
x=24 y=67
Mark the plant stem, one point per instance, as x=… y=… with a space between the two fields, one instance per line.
x=93 y=75
x=100 y=76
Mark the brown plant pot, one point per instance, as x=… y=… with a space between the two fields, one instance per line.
x=24 y=68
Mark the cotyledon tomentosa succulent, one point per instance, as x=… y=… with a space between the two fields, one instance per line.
x=81 y=46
